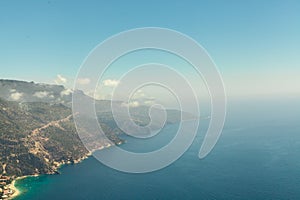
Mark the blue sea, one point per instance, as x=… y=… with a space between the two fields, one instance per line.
x=257 y=157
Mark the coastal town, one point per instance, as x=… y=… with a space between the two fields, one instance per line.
x=7 y=189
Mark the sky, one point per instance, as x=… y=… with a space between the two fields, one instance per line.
x=255 y=44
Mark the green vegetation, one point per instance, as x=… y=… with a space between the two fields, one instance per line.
x=38 y=134
x=37 y=137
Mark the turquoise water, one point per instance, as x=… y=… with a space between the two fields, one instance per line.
x=257 y=157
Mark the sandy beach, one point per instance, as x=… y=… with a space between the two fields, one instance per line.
x=13 y=187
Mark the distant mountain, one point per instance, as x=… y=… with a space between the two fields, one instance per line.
x=37 y=131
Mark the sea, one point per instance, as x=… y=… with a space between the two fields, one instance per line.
x=256 y=158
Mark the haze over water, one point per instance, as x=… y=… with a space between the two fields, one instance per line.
x=257 y=157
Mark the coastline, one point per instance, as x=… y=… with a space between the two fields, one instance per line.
x=16 y=191
x=12 y=186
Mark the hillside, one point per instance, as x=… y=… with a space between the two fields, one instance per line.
x=37 y=131
x=36 y=137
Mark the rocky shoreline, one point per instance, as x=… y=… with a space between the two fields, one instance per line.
x=14 y=192
x=9 y=191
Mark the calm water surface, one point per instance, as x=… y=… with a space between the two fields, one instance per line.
x=257 y=157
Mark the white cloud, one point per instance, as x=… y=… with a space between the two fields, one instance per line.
x=149 y=102
x=65 y=92
x=139 y=94
x=41 y=94
x=131 y=104
x=16 y=96
x=110 y=83
x=60 y=79
x=83 y=81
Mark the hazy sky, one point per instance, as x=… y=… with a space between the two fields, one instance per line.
x=255 y=44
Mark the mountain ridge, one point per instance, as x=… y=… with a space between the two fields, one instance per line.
x=38 y=133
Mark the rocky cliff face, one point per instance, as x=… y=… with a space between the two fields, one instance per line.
x=37 y=131
x=35 y=137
